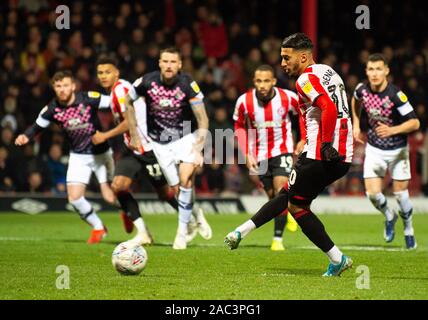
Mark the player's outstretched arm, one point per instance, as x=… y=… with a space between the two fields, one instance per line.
x=29 y=134
x=384 y=131
x=135 y=142
x=101 y=137
x=356 y=112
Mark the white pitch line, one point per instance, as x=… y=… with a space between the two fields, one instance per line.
x=19 y=239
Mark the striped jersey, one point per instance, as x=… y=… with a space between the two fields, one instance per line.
x=269 y=124
x=118 y=107
x=316 y=80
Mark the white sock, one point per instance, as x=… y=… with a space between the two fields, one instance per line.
x=95 y=221
x=185 y=206
x=335 y=255
x=246 y=228
x=406 y=208
x=380 y=203
x=84 y=208
x=140 y=225
x=277 y=238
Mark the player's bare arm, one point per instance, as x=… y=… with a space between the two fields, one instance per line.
x=385 y=131
x=100 y=137
x=356 y=111
x=198 y=108
x=200 y=113
x=135 y=142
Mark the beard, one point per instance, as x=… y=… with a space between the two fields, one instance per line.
x=265 y=99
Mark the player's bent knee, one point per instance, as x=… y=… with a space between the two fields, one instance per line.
x=120 y=184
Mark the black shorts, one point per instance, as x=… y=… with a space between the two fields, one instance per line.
x=130 y=164
x=310 y=177
x=277 y=166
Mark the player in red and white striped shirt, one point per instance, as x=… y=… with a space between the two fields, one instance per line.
x=326 y=156
x=263 y=129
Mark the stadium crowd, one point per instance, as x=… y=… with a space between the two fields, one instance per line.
x=222 y=43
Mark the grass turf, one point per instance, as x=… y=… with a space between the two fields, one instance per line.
x=33 y=246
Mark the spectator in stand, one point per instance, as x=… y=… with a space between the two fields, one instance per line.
x=57 y=169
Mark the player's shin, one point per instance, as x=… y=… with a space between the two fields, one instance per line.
x=406 y=210
x=129 y=205
x=380 y=203
x=313 y=228
x=87 y=213
x=185 y=207
x=271 y=209
x=280 y=222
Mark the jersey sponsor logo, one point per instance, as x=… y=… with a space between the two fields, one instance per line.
x=267 y=124
x=165 y=103
x=307 y=88
x=195 y=87
x=402 y=96
x=121 y=100
x=94 y=94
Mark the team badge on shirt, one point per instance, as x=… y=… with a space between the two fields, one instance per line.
x=93 y=94
x=307 y=88
x=402 y=96
x=195 y=87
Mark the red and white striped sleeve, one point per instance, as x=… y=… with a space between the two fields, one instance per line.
x=119 y=94
x=294 y=101
x=309 y=86
x=239 y=116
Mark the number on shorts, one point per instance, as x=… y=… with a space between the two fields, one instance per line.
x=286 y=162
x=292 y=178
x=154 y=170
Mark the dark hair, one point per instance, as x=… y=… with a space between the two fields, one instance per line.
x=265 y=67
x=299 y=41
x=173 y=50
x=59 y=75
x=377 y=57
x=107 y=60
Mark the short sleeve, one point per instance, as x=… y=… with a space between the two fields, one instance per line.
x=358 y=91
x=138 y=89
x=45 y=117
x=308 y=85
x=404 y=108
x=239 y=112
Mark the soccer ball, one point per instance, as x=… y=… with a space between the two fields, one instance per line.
x=129 y=258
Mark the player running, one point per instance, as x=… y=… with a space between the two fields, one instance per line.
x=262 y=122
x=390 y=119
x=132 y=161
x=172 y=99
x=326 y=156
x=76 y=114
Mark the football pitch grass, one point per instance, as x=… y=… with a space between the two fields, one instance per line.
x=32 y=247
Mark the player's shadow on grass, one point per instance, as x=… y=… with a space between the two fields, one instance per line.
x=113 y=242
x=374 y=245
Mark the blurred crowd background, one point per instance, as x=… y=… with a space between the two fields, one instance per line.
x=222 y=42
